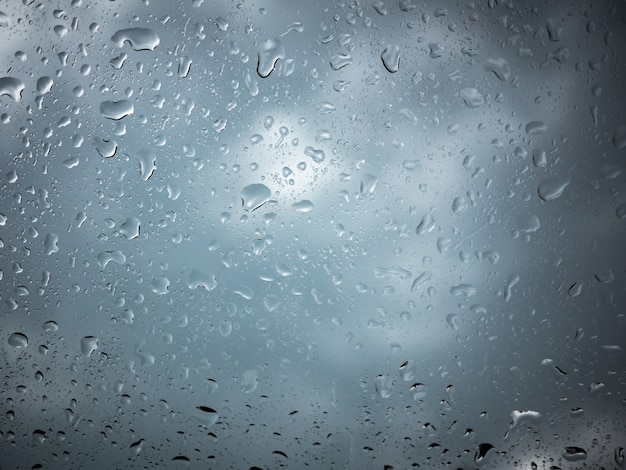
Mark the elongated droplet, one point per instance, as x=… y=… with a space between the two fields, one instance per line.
x=270 y=52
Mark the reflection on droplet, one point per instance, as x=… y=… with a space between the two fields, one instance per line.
x=254 y=196
x=140 y=39
x=18 y=340
x=270 y=52
x=391 y=58
x=12 y=87
x=116 y=110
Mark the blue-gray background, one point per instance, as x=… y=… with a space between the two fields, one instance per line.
x=432 y=274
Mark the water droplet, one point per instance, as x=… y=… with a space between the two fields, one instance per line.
x=539 y=158
x=201 y=279
x=384 y=385
x=460 y=205
x=528 y=223
x=50 y=243
x=44 y=85
x=116 y=110
x=368 y=185
x=18 y=340
x=391 y=58
x=244 y=291
x=249 y=381
x=140 y=39
x=317 y=155
x=271 y=302
x=88 y=345
x=519 y=416
x=270 y=52
x=50 y=326
x=536 y=128
x=619 y=136
x=620 y=212
x=130 y=228
x=574 y=454
x=436 y=50
x=471 y=97
x=339 y=61
x=147 y=163
x=5 y=20
x=499 y=67
x=303 y=207
x=206 y=416
x=160 y=285
x=106 y=257
x=426 y=225
x=254 y=196
x=464 y=290
x=620 y=457
x=482 y=451
x=552 y=187
x=12 y=87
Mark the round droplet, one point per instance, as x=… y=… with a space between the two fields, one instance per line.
x=18 y=340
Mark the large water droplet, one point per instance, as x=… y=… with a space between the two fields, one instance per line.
x=303 y=206
x=254 y=196
x=205 y=415
x=552 y=187
x=44 y=85
x=116 y=110
x=140 y=39
x=536 y=128
x=339 y=61
x=201 y=279
x=12 y=87
x=317 y=155
x=471 y=97
x=391 y=58
x=368 y=185
x=499 y=67
x=619 y=137
x=18 y=340
x=574 y=454
x=88 y=345
x=130 y=228
x=106 y=257
x=270 y=52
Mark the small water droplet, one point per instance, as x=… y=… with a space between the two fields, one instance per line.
x=552 y=187
x=536 y=128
